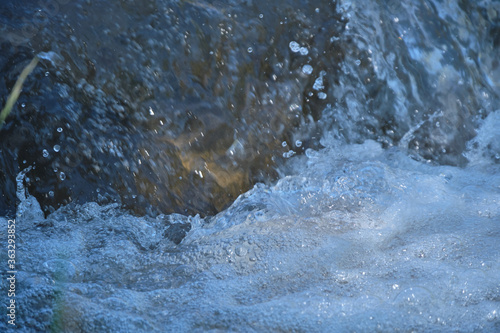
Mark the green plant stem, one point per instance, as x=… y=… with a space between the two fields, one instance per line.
x=14 y=95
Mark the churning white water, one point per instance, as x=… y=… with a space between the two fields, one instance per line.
x=357 y=239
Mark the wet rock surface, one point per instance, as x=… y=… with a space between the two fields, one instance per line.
x=163 y=105
x=169 y=106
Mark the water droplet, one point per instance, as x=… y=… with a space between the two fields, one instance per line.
x=241 y=251
x=492 y=316
x=57 y=148
x=62 y=176
x=307 y=69
x=250 y=50
x=318 y=83
x=298 y=143
x=59 y=129
x=45 y=153
x=294 y=46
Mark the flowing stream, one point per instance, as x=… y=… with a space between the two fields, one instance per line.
x=253 y=166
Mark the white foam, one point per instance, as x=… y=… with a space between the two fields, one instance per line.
x=358 y=239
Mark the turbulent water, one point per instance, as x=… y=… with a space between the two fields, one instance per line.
x=385 y=216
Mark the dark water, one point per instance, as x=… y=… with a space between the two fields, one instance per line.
x=180 y=106
x=163 y=105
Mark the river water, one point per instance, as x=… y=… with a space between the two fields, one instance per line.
x=254 y=166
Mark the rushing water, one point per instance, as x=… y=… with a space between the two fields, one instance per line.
x=379 y=122
x=176 y=107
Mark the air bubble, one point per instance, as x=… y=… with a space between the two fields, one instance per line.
x=45 y=153
x=57 y=148
x=358 y=62
x=294 y=46
x=307 y=69
x=51 y=193
x=261 y=15
x=298 y=143
x=322 y=95
x=250 y=50
x=241 y=251
x=284 y=144
x=62 y=176
x=59 y=129
x=303 y=51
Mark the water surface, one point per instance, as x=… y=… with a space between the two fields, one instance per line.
x=373 y=127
